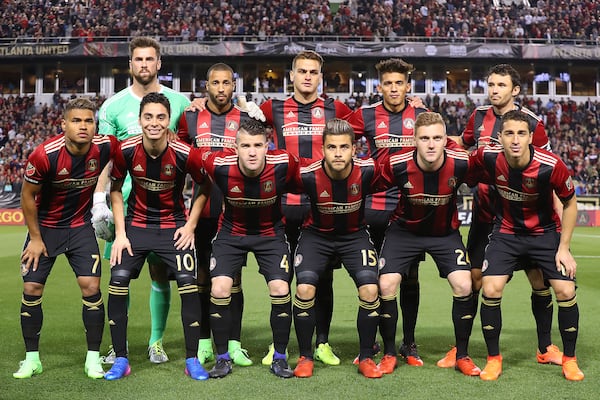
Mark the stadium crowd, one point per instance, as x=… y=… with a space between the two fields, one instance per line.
x=87 y=20
x=572 y=127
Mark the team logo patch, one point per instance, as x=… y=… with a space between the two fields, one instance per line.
x=30 y=169
x=485 y=265
x=529 y=183
x=168 y=169
x=408 y=123
x=268 y=186
x=569 y=183
x=232 y=126
x=213 y=263
x=317 y=112
x=24 y=269
x=381 y=263
x=354 y=189
x=92 y=165
x=452 y=182
x=298 y=260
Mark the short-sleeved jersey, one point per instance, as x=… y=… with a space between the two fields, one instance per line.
x=119 y=114
x=68 y=181
x=156 y=199
x=484 y=125
x=524 y=203
x=253 y=204
x=299 y=127
x=386 y=133
x=209 y=131
x=428 y=199
x=338 y=206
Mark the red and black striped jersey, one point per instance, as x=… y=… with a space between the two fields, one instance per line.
x=483 y=126
x=156 y=199
x=253 y=204
x=68 y=181
x=209 y=131
x=524 y=203
x=338 y=205
x=428 y=199
x=298 y=128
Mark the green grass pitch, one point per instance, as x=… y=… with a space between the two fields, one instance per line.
x=62 y=346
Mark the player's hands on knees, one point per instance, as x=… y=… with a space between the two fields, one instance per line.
x=102 y=218
x=30 y=257
x=184 y=238
x=251 y=108
x=121 y=243
x=198 y=104
x=565 y=263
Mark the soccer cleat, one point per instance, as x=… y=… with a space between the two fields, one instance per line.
x=238 y=355
x=205 y=351
x=222 y=368
x=157 y=354
x=467 y=367
x=28 y=368
x=325 y=354
x=93 y=366
x=449 y=360
x=410 y=354
x=119 y=369
x=388 y=364
x=553 y=355
x=304 y=368
x=369 y=369
x=571 y=370
x=376 y=350
x=110 y=357
x=194 y=369
x=492 y=369
x=281 y=368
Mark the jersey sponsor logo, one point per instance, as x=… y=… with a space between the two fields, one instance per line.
x=324 y=193
x=299 y=129
x=92 y=165
x=408 y=123
x=354 y=189
x=332 y=208
x=394 y=141
x=422 y=199
x=152 y=185
x=452 y=182
x=68 y=184
x=268 y=186
x=168 y=169
x=235 y=189
x=530 y=183
x=513 y=195
x=242 y=202
x=214 y=141
x=138 y=168
x=317 y=112
x=63 y=171
x=30 y=169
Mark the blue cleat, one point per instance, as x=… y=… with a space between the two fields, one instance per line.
x=119 y=369
x=195 y=370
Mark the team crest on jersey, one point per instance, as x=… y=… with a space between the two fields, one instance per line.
x=485 y=265
x=268 y=186
x=381 y=263
x=317 y=112
x=408 y=123
x=30 y=170
x=298 y=260
x=213 y=263
x=529 y=183
x=569 y=183
x=92 y=165
x=452 y=182
x=232 y=126
x=354 y=189
x=168 y=169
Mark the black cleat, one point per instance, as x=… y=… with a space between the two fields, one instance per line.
x=222 y=368
x=281 y=368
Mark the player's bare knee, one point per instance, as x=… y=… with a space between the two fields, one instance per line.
x=33 y=288
x=221 y=287
x=305 y=291
x=563 y=290
x=368 y=292
x=89 y=285
x=388 y=284
x=278 y=287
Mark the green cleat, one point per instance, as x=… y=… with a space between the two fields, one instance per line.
x=93 y=365
x=205 y=351
x=268 y=359
x=28 y=368
x=324 y=353
x=238 y=355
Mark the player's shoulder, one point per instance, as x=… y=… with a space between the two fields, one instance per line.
x=104 y=139
x=483 y=109
x=402 y=157
x=311 y=167
x=278 y=156
x=371 y=106
x=180 y=146
x=364 y=162
x=457 y=154
x=53 y=144
x=529 y=113
x=115 y=100
x=544 y=156
x=131 y=142
x=173 y=94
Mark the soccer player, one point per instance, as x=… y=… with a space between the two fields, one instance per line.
x=335 y=228
x=118 y=116
x=388 y=128
x=253 y=181
x=483 y=126
x=156 y=222
x=56 y=198
x=298 y=123
x=214 y=129
x=426 y=220
x=527 y=226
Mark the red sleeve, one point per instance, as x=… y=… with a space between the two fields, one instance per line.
x=468 y=137
x=477 y=172
x=182 y=129
x=119 y=168
x=341 y=110
x=385 y=175
x=267 y=109
x=37 y=166
x=540 y=137
x=562 y=182
x=293 y=178
x=194 y=165
x=355 y=119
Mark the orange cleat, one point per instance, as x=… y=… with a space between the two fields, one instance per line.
x=570 y=369
x=410 y=354
x=449 y=360
x=304 y=368
x=388 y=364
x=467 y=366
x=369 y=369
x=492 y=369
x=553 y=355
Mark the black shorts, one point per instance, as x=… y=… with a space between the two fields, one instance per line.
x=402 y=248
x=160 y=241
x=507 y=252
x=205 y=233
x=272 y=255
x=355 y=250
x=477 y=241
x=79 y=245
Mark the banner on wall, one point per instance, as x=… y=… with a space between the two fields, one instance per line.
x=11 y=216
